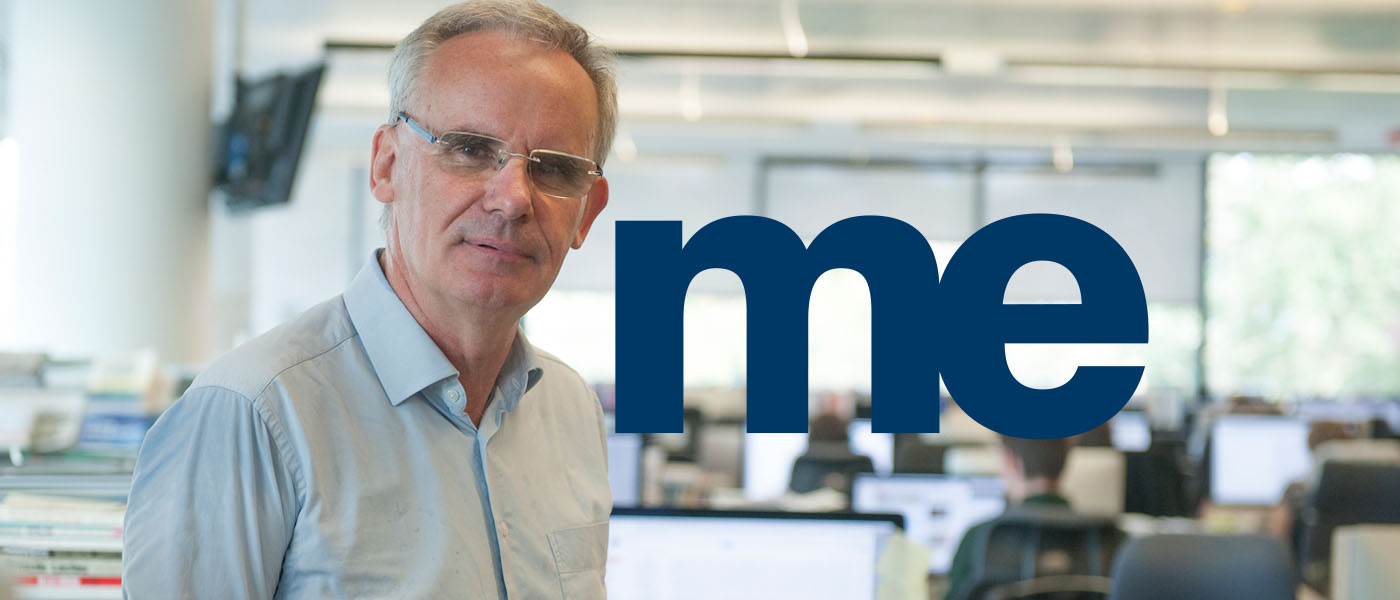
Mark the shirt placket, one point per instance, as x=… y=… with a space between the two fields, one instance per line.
x=490 y=423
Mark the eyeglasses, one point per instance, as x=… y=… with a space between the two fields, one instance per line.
x=553 y=173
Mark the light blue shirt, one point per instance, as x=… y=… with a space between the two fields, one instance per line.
x=329 y=458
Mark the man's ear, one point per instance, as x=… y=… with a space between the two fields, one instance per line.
x=1010 y=462
x=381 y=164
x=597 y=199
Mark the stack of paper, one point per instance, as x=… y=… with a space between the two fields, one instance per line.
x=62 y=547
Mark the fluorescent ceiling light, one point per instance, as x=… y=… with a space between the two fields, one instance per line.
x=792 y=29
x=691 y=110
x=1216 y=120
x=1062 y=156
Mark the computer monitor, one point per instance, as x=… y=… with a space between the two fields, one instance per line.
x=1130 y=431
x=262 y=140
x=1253 y=458
x=878 y=446
x=937 y=509
x=1349 y=412
x=625 y=468
x=768 y=459
x=703 y=555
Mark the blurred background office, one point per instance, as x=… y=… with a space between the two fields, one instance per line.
x=177 y=176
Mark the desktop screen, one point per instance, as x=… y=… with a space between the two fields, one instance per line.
x=704 y=555
x=625 y=468
x=1130 y=431
x=937 y=509
x=1255 y=457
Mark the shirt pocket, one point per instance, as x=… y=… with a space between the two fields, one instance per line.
x=580 y=555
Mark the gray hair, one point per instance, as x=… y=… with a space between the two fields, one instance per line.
x=527 y=19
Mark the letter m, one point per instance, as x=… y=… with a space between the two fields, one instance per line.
x=654 y=271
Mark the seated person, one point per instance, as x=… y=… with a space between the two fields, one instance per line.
x=828 y=461
x=1031 y=470
x=1283 y=518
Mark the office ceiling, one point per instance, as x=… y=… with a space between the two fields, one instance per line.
x=1285 y=74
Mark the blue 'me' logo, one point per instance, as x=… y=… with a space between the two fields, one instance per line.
x=920 y=327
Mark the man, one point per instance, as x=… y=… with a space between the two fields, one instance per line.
x=829 y=461
x=1031 y=470
x=404 y=440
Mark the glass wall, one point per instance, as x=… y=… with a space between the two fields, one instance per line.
x=1303 y=275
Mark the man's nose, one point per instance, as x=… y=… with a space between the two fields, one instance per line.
x=508 y=190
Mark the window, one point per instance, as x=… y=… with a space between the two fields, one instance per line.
x=1303 y=275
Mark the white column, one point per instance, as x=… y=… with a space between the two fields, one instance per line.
x=109 y=106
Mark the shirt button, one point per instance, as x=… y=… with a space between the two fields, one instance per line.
x=452 y=396
x=505 y=531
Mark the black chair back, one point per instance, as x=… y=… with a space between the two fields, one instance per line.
x=1346 y=493
x=1203 y=567
x=815 y=470
x=1035 y=544
x=1154 y=483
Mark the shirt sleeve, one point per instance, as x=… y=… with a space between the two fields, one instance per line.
x=213 y=502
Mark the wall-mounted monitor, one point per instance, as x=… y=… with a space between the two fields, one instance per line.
x=260 y=143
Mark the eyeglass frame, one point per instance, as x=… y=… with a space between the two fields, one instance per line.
x=505 y=154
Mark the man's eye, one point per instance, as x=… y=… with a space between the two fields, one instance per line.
x=472 y=149
x=559 y=168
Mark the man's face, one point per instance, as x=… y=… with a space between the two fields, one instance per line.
x=489 y=241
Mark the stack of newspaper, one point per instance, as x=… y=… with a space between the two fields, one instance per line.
x=59 y=547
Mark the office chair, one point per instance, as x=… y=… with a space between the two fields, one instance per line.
x=1346 y=493
x=834 y=467
x=1043 y=553
x=1154 y=482
x=1202 y=567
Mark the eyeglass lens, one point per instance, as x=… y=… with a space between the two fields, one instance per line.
x=553 y=173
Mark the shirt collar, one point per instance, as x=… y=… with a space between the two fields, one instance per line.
x=520 y=372
x=407 y=361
